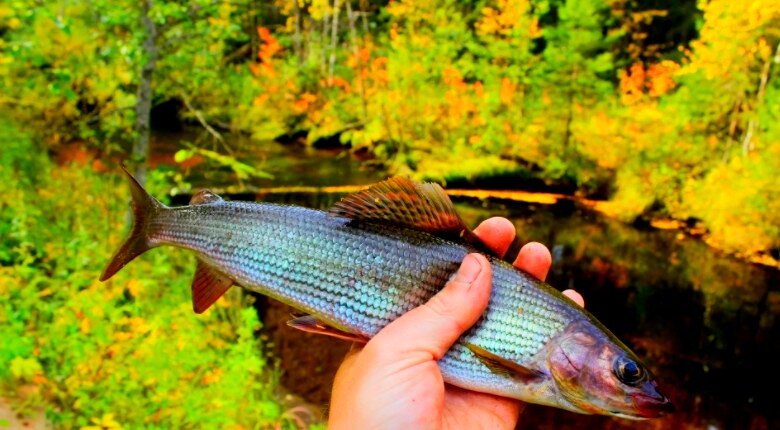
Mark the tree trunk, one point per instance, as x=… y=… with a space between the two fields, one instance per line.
x=569 y=120
x=334 y=40
x=324 y=45
x=297 y=38
x=351 y=17
x=143 y=105
x=254 y=39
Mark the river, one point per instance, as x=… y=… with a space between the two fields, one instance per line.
x=706 y=324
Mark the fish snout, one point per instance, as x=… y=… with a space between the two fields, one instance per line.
x=652 y=404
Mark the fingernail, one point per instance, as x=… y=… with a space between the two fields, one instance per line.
x=468 y=272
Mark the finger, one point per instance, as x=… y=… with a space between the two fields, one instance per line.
x=346 y=367
x=466 y=407
x=433 y=327
x=497 y=234
x=575 y=296
x=535 y=259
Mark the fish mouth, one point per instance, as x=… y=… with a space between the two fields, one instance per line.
x=654 y=405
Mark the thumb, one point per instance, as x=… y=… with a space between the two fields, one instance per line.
x=433 y=327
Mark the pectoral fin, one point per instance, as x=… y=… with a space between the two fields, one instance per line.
x=502 y=366
x=208 y=286
x=311 y=324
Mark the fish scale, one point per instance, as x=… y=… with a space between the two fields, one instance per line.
x=360 y=276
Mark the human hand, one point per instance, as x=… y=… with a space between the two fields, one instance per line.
x=394 y=380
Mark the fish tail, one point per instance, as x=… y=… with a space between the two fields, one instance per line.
x=145 y=208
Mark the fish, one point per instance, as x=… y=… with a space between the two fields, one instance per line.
x=378 y=253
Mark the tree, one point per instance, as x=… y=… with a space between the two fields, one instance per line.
x=92 y=70
x=577 y=72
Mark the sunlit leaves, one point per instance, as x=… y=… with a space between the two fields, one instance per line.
x=269 y=47
x=25 y=369
x=653 y=81
x=506 y=17
x=73 y=77
x=749 y=184
x=318 y=9
x=539 y=86
x=71 y=68
x=105 y=422
x=736 y=41
x=129 y=351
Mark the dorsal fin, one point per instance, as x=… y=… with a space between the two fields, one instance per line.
x=402 y=201
x=207 y=287
x=204 y=197
x=502 y=366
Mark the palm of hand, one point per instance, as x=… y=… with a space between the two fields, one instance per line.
x=414 y=395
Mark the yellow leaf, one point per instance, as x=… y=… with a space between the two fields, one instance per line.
x=134 y=287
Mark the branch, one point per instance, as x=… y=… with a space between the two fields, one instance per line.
x=243 y=50
x=199 y=116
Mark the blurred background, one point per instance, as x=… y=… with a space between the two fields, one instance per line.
x=639 y=140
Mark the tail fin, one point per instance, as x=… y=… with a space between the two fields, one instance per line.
x=145 y=207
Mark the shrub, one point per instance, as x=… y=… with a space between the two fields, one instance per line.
x=128 y=351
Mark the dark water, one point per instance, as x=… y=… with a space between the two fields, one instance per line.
x=704 y=323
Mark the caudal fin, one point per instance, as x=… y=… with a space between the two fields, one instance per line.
x=145 y=207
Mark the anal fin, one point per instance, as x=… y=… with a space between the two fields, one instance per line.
x=207 y=287
x=502 y=366
x=311 y=324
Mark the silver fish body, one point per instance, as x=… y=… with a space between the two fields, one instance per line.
x=358 y=276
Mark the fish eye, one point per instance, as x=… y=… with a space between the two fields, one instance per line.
x=628 y=371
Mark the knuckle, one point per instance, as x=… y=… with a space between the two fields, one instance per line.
x=438 y=306
x=443 y=312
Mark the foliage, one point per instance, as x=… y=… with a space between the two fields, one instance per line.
x=127 y=352
x=72 y=68
x=568 y=90
x=661 y=109
x=666 y=111
x=83 y=94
